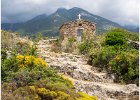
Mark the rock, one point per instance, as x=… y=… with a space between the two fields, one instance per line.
x=85 y=77
x=104 y=91
x=134 y=44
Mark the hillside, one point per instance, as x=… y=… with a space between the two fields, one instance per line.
x=102 y=68
x=26 y=76
x=86 y=78
x=132 y=28
x=49 y=24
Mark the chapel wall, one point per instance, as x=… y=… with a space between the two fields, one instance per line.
x=69 y=29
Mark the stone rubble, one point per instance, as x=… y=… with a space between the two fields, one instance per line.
x=85 y=79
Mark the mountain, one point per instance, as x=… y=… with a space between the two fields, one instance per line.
x=49 y=24
x=132 y=28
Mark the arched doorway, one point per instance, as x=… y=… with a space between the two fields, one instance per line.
x=79 y=34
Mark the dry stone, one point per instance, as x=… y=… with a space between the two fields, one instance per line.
x=86 y=79
x=72 y=29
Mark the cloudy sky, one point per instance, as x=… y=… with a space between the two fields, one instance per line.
x=120 y=11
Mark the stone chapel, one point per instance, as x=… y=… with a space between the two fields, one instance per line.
x=76 y=28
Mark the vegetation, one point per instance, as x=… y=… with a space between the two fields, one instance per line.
x=27 y=77
x=7 y=40
x=129 y=35
x=115 y=55
x=38 y=37
x=85 y=47
x=56 y=46
x=117 y=39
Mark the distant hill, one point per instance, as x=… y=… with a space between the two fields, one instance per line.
x=132 y=28
x=49 y=24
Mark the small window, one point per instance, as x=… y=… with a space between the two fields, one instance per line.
x=80 y=24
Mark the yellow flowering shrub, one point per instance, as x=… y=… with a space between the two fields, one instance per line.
x=53 y=94
x=39 y=61
x=60 y=95
x=63 y=96
x=32 y=88
x=86 y=97
x=125 y=66
x=42 y=91
x=45 y=93
x=26 y=61
x=117 y=58
x=68 y=80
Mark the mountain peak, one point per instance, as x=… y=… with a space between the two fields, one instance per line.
x=77 y=9
x=51 y=23
x=61 y=9
x=40 y=16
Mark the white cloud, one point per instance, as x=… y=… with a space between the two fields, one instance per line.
x=120 y=11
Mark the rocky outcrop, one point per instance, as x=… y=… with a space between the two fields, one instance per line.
x=134 y=44
x=86 y=79
x=107 y=91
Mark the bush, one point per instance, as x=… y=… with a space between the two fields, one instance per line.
x=85 y=47
x=14 y=43
x=25 y=49
x=3 y=54
x=86 y=97
x=7 y=40
x=132 y=36
x=123 y=63
x=56 y=46
x=125 y=66
x=115 y=38
x=20 y=62
x=30 y=61
x=129 y=35
x=117 y=57
x=26 y=77
x=69 y=45
x=8 y=67
x=102 y=57
x=38 y=84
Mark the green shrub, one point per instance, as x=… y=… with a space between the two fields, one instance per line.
x=7 y=40
x=102 y=57
x=15 y=63
x=85 y=47
x=56 y=46
x=71 y=40
x=71 y=45
x=3 y=54
x=25 y=49
x=115 y=38
x=8 y=67
x=129 y=35
x=132 y=36
x=26 y=77
x=26 y=93
x=125 y=66
x=14 y=43
x=117 y=57
x=64 y=96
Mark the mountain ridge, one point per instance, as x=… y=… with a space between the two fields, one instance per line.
x=49 y=24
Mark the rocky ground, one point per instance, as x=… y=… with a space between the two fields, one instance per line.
x=85 y=77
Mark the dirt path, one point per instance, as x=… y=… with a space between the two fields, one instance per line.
x=89 y=81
